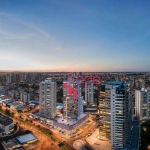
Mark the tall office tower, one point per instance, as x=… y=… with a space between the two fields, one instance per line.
x=142 y=107
x=115 y=106
x=73 y=107
x=47 y=99
x=89 y=93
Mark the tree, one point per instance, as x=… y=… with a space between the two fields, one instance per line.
x=7 y=112
x=78 y=129
x=60 y=144
x=145 y=135
x=50 y=133
x=59 y=96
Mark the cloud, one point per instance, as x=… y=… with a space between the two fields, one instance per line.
x=56 y=44
x=36 y=30
x=4 y=14
x=13 y=36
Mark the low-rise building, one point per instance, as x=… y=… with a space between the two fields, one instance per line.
x=22 y=108
x=6 y=124
x=14 y=105
x=5 y=102
x=26 y=139
x=11 y=145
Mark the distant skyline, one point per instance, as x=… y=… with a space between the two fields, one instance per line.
x=76 y=35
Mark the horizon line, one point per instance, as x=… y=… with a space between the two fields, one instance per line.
x=62 y=71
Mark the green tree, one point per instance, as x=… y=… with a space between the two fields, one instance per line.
x=145 y=135
x=7 y=111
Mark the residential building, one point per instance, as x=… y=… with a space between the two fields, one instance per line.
x=25 y=97
x=142 y=104
x=115 y=105
x=8 y=78
x=47 y=99
x=72 y=104
x=89 y=93
x=6 y=124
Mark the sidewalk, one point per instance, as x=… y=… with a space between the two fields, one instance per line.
x=96 y=143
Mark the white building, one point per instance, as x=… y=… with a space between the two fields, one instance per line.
x=6 y=124
x=142 y=104
x=89 y=93
x=25 y=97
x=47 y=99
x=8 y=78
x=115 y=106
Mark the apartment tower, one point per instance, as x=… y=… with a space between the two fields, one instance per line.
x=73 y=107
x=47 y=99
x=89 y=93
x=115 y=105
x=142 y=104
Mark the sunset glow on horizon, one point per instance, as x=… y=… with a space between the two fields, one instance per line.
x=74 y=36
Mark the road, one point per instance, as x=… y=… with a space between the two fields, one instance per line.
x=69 y=142
x=47 y=142
x=43 y=141
x=86 y=129
x=58 y=137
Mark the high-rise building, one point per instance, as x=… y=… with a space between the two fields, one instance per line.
x=72 y=100
x=8 y=78
x=115 y=105
x=25 y=97
x=89 y=93
x=142 y=104
x=47 y=99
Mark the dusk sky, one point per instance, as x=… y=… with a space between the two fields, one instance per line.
x=75 y=35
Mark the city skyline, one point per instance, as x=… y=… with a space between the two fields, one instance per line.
x=74 y=36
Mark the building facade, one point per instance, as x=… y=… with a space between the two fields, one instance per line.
x=142 y=104
x=115 y=105
x=25 y=97
x=6 y=124
x=89 y=93
x=72 y=100
x=47 y=99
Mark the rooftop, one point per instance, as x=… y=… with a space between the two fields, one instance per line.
x=21 y=107
x=4 y=120
x=25 y=138
x=7 y=101
x=114 y=82
x=65 y=122
x=59 y=107
x=11 y=144
x=15 y=104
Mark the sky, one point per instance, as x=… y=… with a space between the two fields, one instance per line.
x=75 y=35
